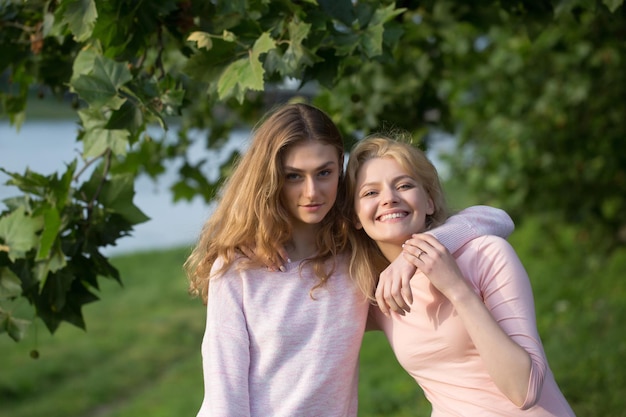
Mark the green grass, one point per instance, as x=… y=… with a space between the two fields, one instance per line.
x=141 y=353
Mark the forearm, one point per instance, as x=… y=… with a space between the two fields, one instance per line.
x=508 y=364
x=470 y=223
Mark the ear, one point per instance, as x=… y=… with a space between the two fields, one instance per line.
x=358 y=224
x=430 y=207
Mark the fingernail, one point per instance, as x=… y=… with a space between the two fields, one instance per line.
x=288 y=260
x=282 y=268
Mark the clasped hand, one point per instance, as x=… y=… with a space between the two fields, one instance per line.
x=421 y=253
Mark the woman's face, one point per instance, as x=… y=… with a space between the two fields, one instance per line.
x=311 y=180
x=390 y=204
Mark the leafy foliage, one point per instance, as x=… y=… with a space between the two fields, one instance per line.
x=518 y=81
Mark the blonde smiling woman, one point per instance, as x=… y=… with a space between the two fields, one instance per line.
x=470 y=339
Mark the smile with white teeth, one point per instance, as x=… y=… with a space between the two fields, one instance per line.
x=390 y=216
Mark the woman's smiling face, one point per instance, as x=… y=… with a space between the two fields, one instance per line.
x=390 y=204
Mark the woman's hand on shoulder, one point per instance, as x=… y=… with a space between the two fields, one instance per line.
x=273 y=263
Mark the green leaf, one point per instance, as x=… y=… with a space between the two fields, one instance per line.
x=128 y=116
x=98 y=140
x=52 y=224
x=173 y=98
x=19 y=232
x=84 y=63
x=100 y=87
x=10 y=284
x=296 y=55
x=245 y=73
x=202 y=39
x=262 y=45
x=116 y=73
x=341 y=10
x=229 y=36
x=372 y=38
x=117 y=196
x=56 y=260
x=93 y=90
x=613 y=5
x=16 y=328
x=227 y=84
x=80 y=16
x=372 y=41
x=92 y=118
x=385 y=14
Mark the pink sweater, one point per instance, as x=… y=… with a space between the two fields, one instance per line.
x=271 y=350
x=433 y=346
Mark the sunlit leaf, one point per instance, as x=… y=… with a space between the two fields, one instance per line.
x=296 y=55
x=202 y=39
x=84 y=62
x=97 y=140
x=245 y=73
x=19 y=232
x=229 y=36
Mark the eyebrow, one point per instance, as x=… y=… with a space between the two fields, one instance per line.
x=324 y=165
x=396 y=179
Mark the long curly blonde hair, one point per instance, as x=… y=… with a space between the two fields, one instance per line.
x=249 y=212
x=367 y=261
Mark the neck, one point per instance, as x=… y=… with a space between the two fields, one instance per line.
x=302 y=243
x=390 y=250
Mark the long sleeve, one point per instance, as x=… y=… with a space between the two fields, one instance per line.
x=470 y=223
x=225 y=351
x=507 y=293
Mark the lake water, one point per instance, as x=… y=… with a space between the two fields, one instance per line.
x=45 y=147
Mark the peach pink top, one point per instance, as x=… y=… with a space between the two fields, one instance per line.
x=433 y=346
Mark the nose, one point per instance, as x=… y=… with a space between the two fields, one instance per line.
x=388 y=196
x=310 y=187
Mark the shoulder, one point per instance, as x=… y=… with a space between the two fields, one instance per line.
x=485 y=244
x=224 y=267
x=488 y=253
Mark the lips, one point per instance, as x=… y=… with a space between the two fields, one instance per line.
x=391 y=216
